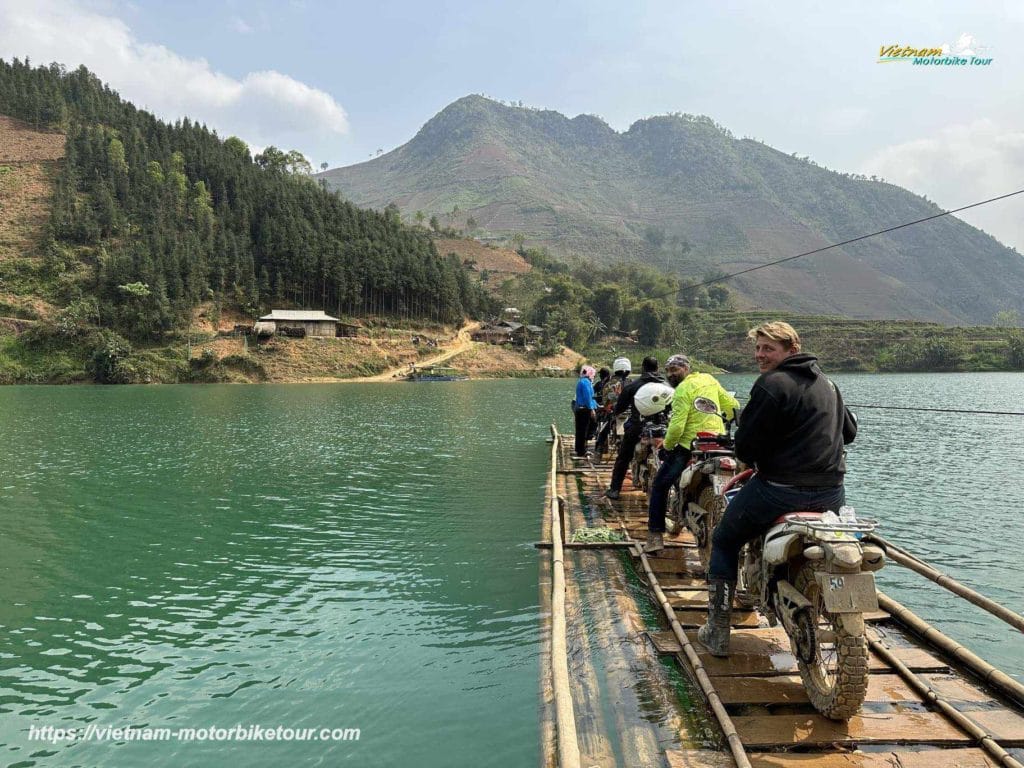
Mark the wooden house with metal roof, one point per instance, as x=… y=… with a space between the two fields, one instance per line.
x=301 y=322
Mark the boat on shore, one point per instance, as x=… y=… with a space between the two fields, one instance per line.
x=434 y=373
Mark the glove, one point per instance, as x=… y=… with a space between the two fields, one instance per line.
x=662 y=454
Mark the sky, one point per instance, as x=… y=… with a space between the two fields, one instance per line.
x=341 y=81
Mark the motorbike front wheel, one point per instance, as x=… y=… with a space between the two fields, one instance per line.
x=831 y=653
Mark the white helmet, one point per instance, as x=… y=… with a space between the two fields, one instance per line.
x=653 y=398
x=621 y=364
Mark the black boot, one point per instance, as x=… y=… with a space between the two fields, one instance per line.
x=655 y=543
x=714 y=635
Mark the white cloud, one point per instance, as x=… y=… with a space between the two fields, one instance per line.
x=963 y=164
x=241 y=26
x=262 y=108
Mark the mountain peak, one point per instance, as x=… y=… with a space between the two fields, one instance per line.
x=681 y=192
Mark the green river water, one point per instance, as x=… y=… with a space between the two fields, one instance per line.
x=359 y=556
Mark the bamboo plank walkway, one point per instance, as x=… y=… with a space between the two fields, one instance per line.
x=923 y=709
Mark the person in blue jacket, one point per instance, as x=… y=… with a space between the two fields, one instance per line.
x=584 y=408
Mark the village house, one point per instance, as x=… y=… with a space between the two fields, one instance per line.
x=508 y=332
x=298 y=322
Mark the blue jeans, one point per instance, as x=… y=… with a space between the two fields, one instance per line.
x=752 y=512
x=668 y=473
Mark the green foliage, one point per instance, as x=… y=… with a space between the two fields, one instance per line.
x=176 y=217
x=1015 y=352
x=587 y=535
x=109 y=363
x=1007 y=318
x=650 y=322
x=580 y=302
x=608 y=301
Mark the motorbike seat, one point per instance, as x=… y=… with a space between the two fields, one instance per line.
x=709 y=441
x=801 y=514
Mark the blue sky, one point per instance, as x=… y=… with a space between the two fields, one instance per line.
x=340 y=80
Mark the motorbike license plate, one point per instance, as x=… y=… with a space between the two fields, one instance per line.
x=848 y=592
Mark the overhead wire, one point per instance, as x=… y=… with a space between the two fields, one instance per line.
x=723 y=278
x=969 y=411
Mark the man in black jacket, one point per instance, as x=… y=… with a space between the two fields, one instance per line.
x=793 y=430
x=634 y=425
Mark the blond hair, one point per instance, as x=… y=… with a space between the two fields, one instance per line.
x=779 y=331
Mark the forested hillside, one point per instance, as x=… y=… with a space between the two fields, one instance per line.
x=149 y=219
x=682 y=194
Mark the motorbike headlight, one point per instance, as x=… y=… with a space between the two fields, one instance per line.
x=846 y=556
x=874 y=558
x=814 y=552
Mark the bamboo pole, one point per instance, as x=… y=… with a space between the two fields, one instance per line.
x=986 y=740
x=606 y=545
x=568 y=747
x=637 y=742
x=907 y=560
x=739 y=754
x=548 y=727
x=593 y=733
x=988 y=673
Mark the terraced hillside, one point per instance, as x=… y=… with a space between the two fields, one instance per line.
x=682 y=193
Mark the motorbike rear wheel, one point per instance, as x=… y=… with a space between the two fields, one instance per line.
x=674 y=522
x=831 y=653
x=715 y=508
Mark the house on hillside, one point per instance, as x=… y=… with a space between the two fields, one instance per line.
x=301 y=322
x=509 y=332
x=527 y=334
x=497 y=333
x=492 y=334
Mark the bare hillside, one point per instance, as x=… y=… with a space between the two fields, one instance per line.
x=28 y=167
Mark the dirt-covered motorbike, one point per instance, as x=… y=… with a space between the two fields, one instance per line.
x=653 y=401
x=699 y=503
x=812 y=573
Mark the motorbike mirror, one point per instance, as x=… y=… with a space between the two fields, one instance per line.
x=705 y=405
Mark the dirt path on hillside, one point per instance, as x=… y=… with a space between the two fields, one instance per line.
x=461 y=344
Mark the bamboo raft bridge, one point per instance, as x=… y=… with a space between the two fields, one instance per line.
x=619 y=689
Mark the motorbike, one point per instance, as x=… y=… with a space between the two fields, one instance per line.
x=645 y=463
x=812 y=573
x=615 y=433
x=653 y=402
x=699 y=503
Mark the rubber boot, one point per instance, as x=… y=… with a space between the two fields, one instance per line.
x=714 y=635
x=655 y=543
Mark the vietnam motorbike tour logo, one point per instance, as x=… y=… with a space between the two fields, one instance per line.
x=965 y=52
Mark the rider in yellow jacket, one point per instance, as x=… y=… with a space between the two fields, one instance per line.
x=686 y=420
x=685 y=423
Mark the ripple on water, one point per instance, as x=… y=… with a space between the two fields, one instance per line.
x=355 y=556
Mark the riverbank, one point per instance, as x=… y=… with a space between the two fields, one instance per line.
x=38 y=352
x=379 y=354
